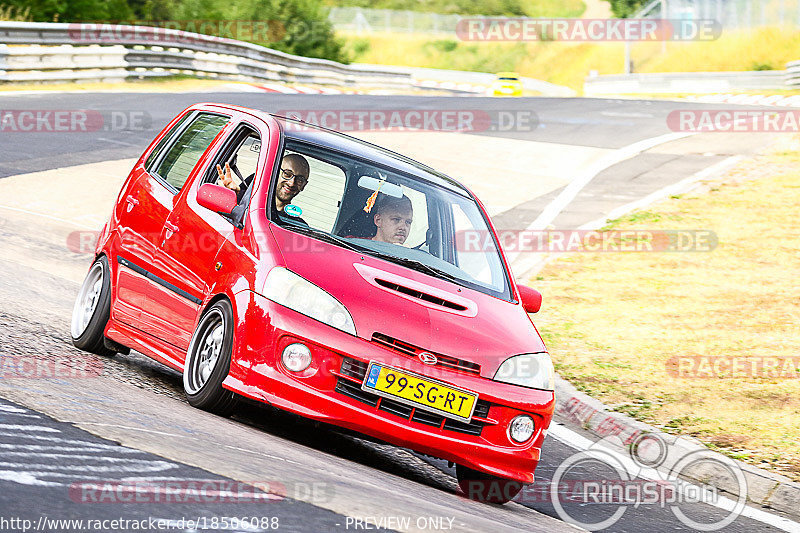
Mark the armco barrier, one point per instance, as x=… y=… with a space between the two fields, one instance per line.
x=793 y=74
x=59 y=51
x=691 y=82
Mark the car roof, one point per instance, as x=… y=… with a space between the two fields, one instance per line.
x=334 y=140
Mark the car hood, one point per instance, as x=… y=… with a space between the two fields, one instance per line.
x=482 y=329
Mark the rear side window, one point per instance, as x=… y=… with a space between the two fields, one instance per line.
x=151 y=159
x=183 y=155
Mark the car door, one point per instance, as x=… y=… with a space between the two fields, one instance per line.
x=169 y=308
x=140 y=214
x=194 y=235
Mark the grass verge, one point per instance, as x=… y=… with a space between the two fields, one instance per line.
x=569 y=63
x=616 y=322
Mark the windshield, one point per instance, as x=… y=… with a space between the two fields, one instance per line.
x=388 y=213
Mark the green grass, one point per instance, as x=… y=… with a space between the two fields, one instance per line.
x=614 y=321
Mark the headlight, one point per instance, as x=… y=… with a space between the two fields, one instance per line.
x=528 y=370
x=290 y=290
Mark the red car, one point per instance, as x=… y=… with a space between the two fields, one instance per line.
x=270 y=259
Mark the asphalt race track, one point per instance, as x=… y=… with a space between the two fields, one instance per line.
x=60 y=436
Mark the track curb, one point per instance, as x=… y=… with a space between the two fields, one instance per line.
x=579 y=411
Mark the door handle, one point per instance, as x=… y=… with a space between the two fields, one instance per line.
x=132 y=202
x=171 y=227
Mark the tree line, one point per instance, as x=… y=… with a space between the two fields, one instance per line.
x=295 y=26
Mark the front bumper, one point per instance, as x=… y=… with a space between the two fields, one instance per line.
x=330 y=391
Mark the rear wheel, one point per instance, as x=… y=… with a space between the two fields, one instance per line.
x=486 y=488
x=208 y=361
x=91 y=310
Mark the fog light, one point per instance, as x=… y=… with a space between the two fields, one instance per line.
x=296 y=357
x=521 y=428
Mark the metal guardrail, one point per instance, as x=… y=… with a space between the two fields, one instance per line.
x=793 y=74
x=59 y=51
x=692 y=82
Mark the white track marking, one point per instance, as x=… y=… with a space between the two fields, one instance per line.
x=579 y=442
x=25 y=478
x=74 y=456
x=147 y=466
x=676 y=188
x=12 y=409
x=32 y=448
x=18 y=427
x=575 y=186
x=53 y=439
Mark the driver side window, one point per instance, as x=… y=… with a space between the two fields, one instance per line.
x=240 y=154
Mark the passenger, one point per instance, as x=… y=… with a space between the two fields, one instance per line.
x=393 y=217
x=292 y=179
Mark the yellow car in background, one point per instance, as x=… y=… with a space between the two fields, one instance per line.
x=506 y=84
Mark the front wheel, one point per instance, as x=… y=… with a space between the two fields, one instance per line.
x=92 y=308
x=486 y=488
x=208 y=361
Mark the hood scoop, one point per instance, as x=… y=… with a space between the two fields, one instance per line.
x=418 y=292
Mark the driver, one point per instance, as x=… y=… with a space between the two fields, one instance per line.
x=393 y=217
x=292 y=179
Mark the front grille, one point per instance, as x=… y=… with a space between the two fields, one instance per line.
x=455 y=425
x=354 y=368
x=413 y=351
x=358 y=369
x=348 y=388
x=396 y=408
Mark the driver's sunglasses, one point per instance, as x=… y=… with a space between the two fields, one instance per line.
x=298 y=179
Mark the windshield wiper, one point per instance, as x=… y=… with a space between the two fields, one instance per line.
x=417 y=265
x=322 y=235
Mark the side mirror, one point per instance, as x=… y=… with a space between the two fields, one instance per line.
x=531 y=299
x=216 y=198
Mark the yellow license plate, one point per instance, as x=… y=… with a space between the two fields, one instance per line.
x=421 y=392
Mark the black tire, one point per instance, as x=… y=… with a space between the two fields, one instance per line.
x=486 y=488
x=207 y=365
x=92 y=308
